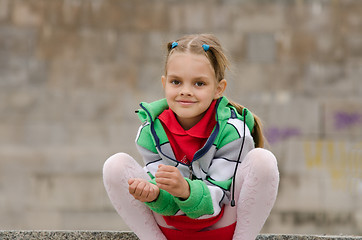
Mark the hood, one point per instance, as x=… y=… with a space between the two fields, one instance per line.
x=150 y=111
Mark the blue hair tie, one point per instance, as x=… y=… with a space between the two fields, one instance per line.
x=174 y=44
x=205 y=47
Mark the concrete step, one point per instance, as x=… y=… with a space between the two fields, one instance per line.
x=118 y=235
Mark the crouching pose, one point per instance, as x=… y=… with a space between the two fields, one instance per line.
x=206 y=174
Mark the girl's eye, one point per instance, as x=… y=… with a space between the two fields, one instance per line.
x=175 y=82
x=199 y=84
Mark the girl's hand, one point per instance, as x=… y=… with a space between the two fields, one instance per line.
x=170 y=179
x=143 y=190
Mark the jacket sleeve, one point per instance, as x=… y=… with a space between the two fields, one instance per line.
x=199 y=202
x=164 y=204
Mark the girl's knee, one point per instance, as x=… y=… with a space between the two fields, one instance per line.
x=116 y=163
x=262 y=156
x=264 y=161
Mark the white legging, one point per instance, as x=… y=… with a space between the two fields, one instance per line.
x=256 y=187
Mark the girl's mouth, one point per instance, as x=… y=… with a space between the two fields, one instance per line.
x=185 y=102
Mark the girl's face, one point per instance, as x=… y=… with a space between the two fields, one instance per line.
x=190 y=87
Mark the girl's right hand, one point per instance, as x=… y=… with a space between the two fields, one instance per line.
x=143 y=190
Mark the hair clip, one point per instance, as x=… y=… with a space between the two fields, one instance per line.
x=205 y=47
x=174 y=44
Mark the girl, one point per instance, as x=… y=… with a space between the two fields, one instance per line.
x=203 y=155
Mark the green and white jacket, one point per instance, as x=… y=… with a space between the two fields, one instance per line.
x=211 y=171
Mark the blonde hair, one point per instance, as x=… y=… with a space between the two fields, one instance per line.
x=218 y=60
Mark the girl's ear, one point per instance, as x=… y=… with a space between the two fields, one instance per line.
x=163 y=80
x=220 y=89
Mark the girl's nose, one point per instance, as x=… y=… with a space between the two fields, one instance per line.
x=185 y=91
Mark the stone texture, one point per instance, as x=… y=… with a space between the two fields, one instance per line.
x=72 y=73
x=261 y=48
x=59 y=235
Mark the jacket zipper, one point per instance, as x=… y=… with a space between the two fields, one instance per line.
x=190 y=169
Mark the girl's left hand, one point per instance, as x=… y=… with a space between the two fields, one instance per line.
x=170 y=179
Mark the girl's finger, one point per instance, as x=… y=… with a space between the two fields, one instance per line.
x=166 y=168
x=163 y=181
x=139 y=188
x=162 y=186
x=130 y=181
x=132 y=187
x=145 y=192
x=166 y=187
x=163 y=174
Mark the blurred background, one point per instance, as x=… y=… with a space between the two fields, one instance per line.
x=72 y=73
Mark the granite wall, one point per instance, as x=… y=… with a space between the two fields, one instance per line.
x=123 y=235
x=72 y=72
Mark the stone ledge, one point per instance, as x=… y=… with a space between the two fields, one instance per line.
x=118 y=235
